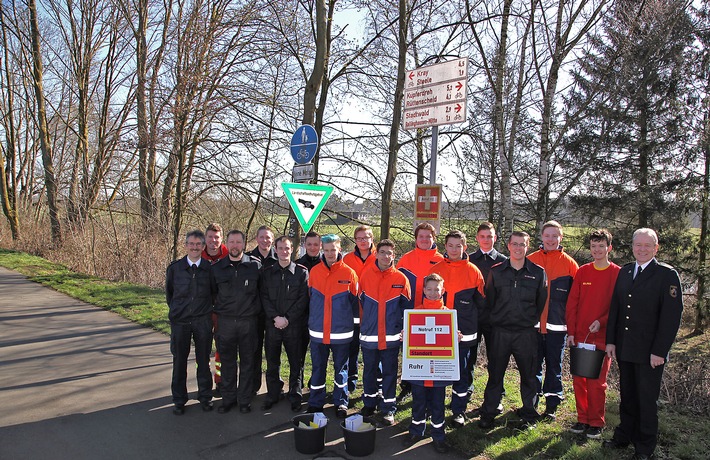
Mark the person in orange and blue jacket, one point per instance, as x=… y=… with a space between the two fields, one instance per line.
x=362 y=256
x=333 y=289
x=416 y=265
x=560 y=269
x=384 y=294
x=464 y=293
x=428 y=395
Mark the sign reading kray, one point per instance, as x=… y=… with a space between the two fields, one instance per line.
x=436 y=95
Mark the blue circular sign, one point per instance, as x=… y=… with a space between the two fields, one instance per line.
x=304 y=144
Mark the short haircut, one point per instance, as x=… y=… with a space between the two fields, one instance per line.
x=486 y=226
x=236 y=232
x=519 y=234
x=601 y=235
x=195 y=234
x=425 y=226
x=312 y=234
x=264 y=227
x=214 y=227
x=330 y=238
x=456 y=234
x=433 y=277
x=386 y=242
x=645 y=231
x=281 y=239
x=363 y=228
x=552 y=223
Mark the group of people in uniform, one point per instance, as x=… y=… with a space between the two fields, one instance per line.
x=529 y=307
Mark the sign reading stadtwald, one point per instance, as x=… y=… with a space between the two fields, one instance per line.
x=304 y=144
x=436 y=95
x=307 y=201
x=430 y=345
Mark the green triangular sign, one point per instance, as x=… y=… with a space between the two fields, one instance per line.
x=307 y=201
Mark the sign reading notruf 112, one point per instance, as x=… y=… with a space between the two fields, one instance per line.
x=436 y=95
x=430 y=345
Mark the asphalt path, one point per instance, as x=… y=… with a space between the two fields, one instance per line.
x=79 y=382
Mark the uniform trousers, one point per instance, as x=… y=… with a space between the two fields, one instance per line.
x=236 y=336
x=371 y=359
x=353 y=360
x=429 y=399
x=590 y=397
x=319 y=367
x=459 y=392
x=640 y=386
x=181 y=336
x=522 y=345
x=259 y=351
x=291 y=339
x=551 y=350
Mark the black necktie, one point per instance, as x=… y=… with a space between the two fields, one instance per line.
x=638 y=272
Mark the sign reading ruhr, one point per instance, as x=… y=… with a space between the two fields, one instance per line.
x=436 y=95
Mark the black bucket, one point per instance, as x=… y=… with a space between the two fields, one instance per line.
x=586 y=363
x=359 y=443
x=308 y=440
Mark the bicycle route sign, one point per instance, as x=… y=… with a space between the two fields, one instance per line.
x=304 y=144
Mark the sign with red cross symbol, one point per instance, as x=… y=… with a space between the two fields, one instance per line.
x=430 y=345
x=427 y=205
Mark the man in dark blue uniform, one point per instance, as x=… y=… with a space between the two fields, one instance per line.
x=644 y=318
x=516 y=292
x=235 y=287
x=187 y=292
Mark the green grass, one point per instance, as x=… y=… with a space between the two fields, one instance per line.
x=141 y=304
x=682 y=434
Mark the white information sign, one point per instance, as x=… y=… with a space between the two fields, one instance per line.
x=431 y=350
x=436 y=95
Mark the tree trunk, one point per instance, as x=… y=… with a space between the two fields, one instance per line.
x=146 y=167
x=701 y=312
x=391 y=174
x=43 y=128
x=506 y=197
x=8 y=190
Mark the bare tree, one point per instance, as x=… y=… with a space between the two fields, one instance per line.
x=45 y=141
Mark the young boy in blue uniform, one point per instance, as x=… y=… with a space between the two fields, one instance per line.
x=429 y=395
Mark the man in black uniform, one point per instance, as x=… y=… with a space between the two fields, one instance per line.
x=516 y=291
x=484 y=258
x=263 y=252
x=284 y=296
x=235 y=287
x=644 y=318
x=312 y=256
x=187 y=292
x=310 y=259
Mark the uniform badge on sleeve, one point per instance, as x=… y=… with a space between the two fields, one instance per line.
x=673 y=291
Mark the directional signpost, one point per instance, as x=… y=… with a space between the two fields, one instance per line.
x=436 y=95
x=307 y=201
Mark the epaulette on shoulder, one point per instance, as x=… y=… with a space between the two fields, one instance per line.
x=665 y=265
x=175 y=261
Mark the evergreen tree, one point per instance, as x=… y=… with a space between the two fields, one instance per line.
x=631 y=86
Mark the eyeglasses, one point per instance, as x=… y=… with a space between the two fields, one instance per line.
x=360 y=239
x=519 y=245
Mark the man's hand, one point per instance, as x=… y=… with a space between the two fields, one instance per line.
x=611 y=350
x=656 y=361
x=595 y=326
x=570 y=341
x=280 y=322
